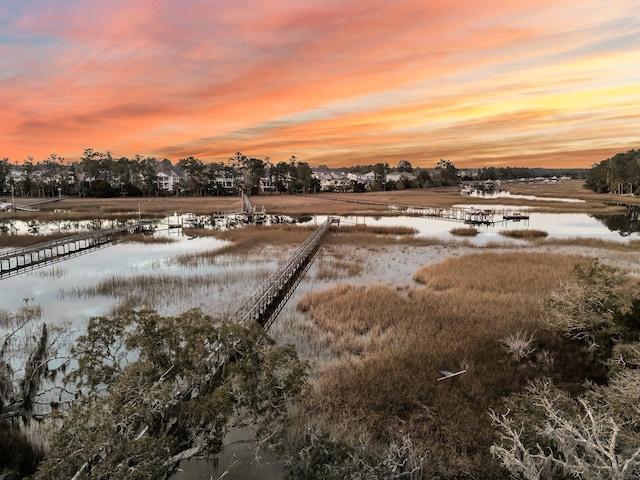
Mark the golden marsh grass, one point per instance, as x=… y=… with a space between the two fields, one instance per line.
x=393 y=343
x=26 y=240
x=525 y=234
x=464 y=232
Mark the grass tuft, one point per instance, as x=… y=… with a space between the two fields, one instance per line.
x=524 y=234
x=464 y=232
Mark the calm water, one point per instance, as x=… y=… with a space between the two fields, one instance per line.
x=557 y=225
x=507 y=195
x=50 y=286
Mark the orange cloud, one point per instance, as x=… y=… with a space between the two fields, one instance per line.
x=333 y=82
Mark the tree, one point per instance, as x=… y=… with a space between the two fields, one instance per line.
x=195 y=170
x=405 y=166
x=256 y=169
x=618 y=174
x=238 y=161
x=282 y=177
x=448 y=172
x=423 y=178
x=596 y=307
x=5 y=170
x=190 y=377
x=547 y=433
x=380 y=170
x=28 y=184
x=305 y=177
x=488 y=173
x=55 y=177
x=27 y=351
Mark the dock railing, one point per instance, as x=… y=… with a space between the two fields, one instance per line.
x=265 y=303
x=20 y=260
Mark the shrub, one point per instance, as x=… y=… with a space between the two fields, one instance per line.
x=519 y=345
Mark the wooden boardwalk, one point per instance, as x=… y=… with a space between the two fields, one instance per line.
x=267 y=301
x=20 y=260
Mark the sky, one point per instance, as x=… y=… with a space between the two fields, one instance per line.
x=533 y=83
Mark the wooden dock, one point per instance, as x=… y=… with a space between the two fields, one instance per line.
x=468 y=215
x=267 y=301
x=20 y=260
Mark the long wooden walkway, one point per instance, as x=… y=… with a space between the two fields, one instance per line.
x=267 y=301
x=20 y=260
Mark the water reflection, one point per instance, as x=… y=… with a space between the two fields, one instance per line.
x=506 y=194
x=557 y=225
x=624 y=223
x=52 y=287
x=241 y=459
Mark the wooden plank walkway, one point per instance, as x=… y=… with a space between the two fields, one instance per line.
x=20 y=260
x=267 y=301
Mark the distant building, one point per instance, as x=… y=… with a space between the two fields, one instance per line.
x=168 y=182
x=365 y=178
x=396 y=176
x=333 y=181
x=267 y=184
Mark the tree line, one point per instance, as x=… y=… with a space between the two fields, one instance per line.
x=101 y=174
x=618 y=174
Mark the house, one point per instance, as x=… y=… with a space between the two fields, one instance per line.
x=168 y=182
x=396 y=176
x=365 y=178
x=267 y=184
x=335 y=181
x=226 y=181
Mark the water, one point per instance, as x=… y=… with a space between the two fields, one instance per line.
x=557 y=225
x=50 y=286
x=506 y=194
x=241 y=459
x=47 y=286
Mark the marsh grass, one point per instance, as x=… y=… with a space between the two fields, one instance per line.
x=317 y=204
x=627 y=246
x=378 y=229
x=525 y=234
x=19 y=240
x=392 y=345
x=147 y=239
x=464 y=232
x=166 y=292
x=251 y=239
x=336 y=265
x=53 y=272
x=367 y=237
x=246 y=241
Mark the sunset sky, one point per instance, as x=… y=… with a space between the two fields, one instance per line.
x=551 y=83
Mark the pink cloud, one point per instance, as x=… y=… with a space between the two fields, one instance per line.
x=359 y=79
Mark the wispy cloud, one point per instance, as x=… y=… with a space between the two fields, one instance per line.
x=337 y=82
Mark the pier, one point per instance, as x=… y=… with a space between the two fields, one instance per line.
x=267 y=301
x=20 y=260
x=469 y=215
